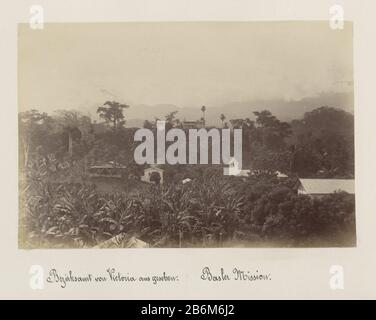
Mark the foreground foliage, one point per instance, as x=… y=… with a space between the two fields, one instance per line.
x=212 y=210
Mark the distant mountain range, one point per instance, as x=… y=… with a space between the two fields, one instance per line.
x=284 y=110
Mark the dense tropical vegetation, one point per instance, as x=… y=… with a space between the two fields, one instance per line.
x=61 y=206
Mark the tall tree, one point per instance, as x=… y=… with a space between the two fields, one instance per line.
x=29 y=121
x=248 y=127
x=222 y=117
x=270 y=131
x=265 y=119
x=324 y=141
x=203 y=109
x=172 y=121
x=112 y=112
x=73 y=124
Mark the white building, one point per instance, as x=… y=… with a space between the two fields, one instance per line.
x=149 y=171
x=234 y=170
x=321 y=187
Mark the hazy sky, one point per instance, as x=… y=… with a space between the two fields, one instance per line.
x=186 y=64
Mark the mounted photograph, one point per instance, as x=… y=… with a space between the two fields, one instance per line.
x=186 y=135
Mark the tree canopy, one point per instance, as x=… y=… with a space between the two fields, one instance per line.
x=112 y=112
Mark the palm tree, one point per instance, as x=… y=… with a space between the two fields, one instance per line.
x=203 y=109
x=73 y=124
x=222 y=117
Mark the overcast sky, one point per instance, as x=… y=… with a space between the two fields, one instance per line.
x=187 y=64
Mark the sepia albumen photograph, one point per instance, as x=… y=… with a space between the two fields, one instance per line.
x=186 y=135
